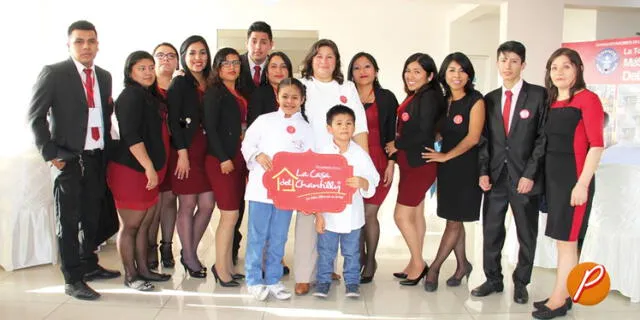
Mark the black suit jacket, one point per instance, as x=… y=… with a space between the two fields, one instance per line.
x=246 y=84
x=522 y=151
x=222 y=122
x=185 y=111
x=425 y=110
x=139 y=120
x=59 y=92
x=263 y=100
x=387 y=108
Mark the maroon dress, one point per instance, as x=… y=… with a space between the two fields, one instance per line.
x=197 y=181
x=376 y=151
x=229 y=189
x=414 y=182
x=173 y=155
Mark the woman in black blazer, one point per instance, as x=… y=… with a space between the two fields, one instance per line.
x=380 y=106
x=189 y=180
x=263 y=98
x=138 y=166
x=417 y=118
x=225 y=120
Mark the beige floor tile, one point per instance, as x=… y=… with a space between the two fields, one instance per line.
x=211 y=313
x=100 y=311
x=26 y=310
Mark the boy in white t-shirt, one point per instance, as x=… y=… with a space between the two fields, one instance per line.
x=343 y=228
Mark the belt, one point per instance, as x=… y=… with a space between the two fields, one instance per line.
x=92 y=152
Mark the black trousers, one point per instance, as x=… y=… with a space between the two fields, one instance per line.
x=78 y=191
x=525 y=214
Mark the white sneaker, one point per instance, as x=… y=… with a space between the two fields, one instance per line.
x=260 y=292
x=279 y=291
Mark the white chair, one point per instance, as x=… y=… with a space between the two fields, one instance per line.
x=613 y=235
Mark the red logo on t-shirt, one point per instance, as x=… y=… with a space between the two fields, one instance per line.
x=343 y=99
x=524 y=114
x=291 y=129
x=457 y=119
x=405 y=117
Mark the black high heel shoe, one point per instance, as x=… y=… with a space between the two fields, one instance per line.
x=156 y=277
x=166 y=254
x=413 y=282
x=364 y=279
x=193 y=273
x=454 y=282
x=431 y=286
x=230 y=283
x=400 y=275
x=203 y=268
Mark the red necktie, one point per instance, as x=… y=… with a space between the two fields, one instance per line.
x=88 y=87
x=506 y=111
x=256 y=76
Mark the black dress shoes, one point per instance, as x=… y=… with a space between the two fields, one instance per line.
x=285 y=270
x=545 y=313
x=486 y=289
x=80 y=290
x=101 y=273
x=520 y=294
x=539 y=304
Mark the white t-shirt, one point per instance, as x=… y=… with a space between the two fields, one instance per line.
x=322 y=96
x=352 y=217
x=270 y=133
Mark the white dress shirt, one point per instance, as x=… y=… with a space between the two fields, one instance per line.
x=352 y=217
x=514 y=98
x=252 y=66
x=95 y=113
x=270 y=134
x=322 y=96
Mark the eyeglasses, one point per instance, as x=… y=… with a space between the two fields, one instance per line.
x=229 y=63
x=168 y=56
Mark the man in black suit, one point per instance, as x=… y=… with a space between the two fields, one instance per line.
x=254 y=62
x=511 y=156
x=70 y=115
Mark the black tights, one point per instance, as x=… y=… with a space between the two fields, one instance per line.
x=369 y=238
x=192 y=226
x=453 y=239
x=133 y=240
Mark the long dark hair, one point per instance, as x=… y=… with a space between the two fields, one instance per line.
x=307 y=63
x=303 y=92
x=428 y=65
x=376 y=83
x=464 y=62
x=183 y=53
x=576 y=61
x=284 y=58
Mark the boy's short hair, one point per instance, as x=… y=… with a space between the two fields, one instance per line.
x=260 y=26
x=512 y=46
x=339 y=109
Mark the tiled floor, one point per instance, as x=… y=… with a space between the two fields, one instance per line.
x=37 y=293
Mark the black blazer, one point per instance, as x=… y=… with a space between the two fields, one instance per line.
x=185 y=111
x=222 y=122
x=263 y=100
x=60 y=92
x=246 y=84
x=387 y=108
x=139 y=120
x=425 y=110
x=523 y=149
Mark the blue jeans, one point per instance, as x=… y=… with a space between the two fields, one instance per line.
x=328 y=249
x=267 y=234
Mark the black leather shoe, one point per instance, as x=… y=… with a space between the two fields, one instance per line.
x=545 y=313
x=101 y=273
x=400 y=275
x=486 y=289
x=520 y=294
x=80 y=290
x=539 y=304
x=285 y=270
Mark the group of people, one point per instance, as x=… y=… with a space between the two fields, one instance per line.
x=197 y=130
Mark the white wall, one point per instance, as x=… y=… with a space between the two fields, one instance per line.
x=579 y=25
x=617 y=23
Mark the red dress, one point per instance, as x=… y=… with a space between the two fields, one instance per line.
x=197 y=181
x=414 y=182
x=378 y=156
x=129 y=187
x=173 y=155
x=228 y=189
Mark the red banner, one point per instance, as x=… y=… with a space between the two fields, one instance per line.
x=309 y=182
